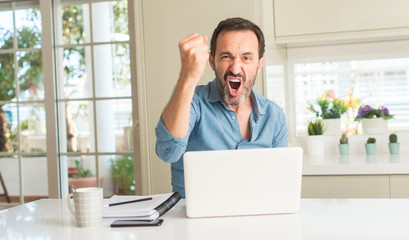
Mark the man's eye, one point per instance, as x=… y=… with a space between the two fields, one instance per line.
x=247 y=58
x=225 y=58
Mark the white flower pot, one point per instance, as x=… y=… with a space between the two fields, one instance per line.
x=374 y=126
x=316 y=145
x=332 y=127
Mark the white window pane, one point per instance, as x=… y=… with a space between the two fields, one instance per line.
x=6 y=29
x=114 y=125
x=118 y=174
x=276 y=84
x=110 y=21
x=33 y=129
x=11 y=130
x=28 y=25
x=74 y=24
x=35 y=177
x=112 y=70
x=82 y=172
x=30 y=74
x=75 y=73
x=7 y=83
x=79 y=127
x=9 y=167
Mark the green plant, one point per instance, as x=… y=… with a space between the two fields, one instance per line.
x=393 y=138
x=82 y=173
x=343 y=139
x=315 y=127
x=122 y=170
x=371 y=140
x=328 y=108
x=367 y=111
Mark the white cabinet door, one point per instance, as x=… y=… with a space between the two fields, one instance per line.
x=399 y=186
x=368 y=186
x=300 y=18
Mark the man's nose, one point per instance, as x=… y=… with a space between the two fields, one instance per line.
x=235 y=66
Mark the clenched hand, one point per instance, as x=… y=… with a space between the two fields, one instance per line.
x=194 y=54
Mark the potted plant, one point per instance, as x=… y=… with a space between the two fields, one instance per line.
x=330 y=109
x=370 y=146
x=343 y=145
x=82 y=178
x=122 y=170
x=374 y=121
x=393 y=144
x=316 y=140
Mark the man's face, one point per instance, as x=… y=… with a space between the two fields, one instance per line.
x=236 y=64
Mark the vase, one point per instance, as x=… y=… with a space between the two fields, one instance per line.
x=370 y=148
x=393 y=148
x=332 y=127
x=315 y=145
x=374 y=126
x=343 y=149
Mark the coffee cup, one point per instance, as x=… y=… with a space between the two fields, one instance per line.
x=88 y=206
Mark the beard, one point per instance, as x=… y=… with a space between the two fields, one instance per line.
x=223 y=88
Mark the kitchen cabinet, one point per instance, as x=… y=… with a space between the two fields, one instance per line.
x=368 y=186
x=298 y=21
x=362 y=186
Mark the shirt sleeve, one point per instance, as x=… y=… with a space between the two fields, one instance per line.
x=281 y=138
x=168 y=148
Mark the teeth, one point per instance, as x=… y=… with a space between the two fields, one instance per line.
x=234 y=80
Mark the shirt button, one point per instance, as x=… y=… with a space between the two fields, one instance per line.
x=233 y=117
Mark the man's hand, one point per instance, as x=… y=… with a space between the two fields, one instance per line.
x=194 y=54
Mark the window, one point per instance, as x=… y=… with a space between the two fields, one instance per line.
x=375 y=73
x=375 y=82
x=22 y=110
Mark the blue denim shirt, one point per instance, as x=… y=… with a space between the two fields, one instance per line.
x=214 y=126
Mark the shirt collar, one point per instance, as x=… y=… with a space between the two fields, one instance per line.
x=214 y=96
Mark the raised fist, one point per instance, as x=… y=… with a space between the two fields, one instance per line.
x=194 y=54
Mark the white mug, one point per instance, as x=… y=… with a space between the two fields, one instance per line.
x=87 y=206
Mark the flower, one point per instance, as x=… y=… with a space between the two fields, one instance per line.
x=367 y=111
x=328 y=107
x=351 y=101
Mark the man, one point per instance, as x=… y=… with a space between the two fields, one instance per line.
x=226 y=113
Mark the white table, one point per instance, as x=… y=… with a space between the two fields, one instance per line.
x=328 y=219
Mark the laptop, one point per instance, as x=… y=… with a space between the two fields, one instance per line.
x=243 y=182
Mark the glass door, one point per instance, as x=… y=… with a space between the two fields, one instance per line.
x=94 y=95
x=23 y=148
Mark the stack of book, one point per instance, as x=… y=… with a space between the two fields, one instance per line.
x=146 y=208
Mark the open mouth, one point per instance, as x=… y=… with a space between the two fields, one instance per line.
x=234 y=84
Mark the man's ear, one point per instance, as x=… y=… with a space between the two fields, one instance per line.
x=260 y=64
x=211 y=61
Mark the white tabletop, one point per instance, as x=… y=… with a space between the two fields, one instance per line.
x=318 y=219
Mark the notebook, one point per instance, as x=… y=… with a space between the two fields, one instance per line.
x=243 y=182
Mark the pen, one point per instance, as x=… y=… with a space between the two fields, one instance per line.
x=132 y=201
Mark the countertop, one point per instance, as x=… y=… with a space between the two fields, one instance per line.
x=356 y=164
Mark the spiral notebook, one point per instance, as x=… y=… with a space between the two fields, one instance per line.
x=146 y=210
x=243 y=182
